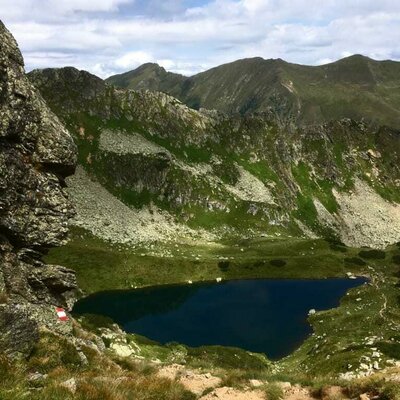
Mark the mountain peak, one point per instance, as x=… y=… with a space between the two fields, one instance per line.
x=66 y=73
x=149 y=65
x=150 y=76
x=292 y=90
x=355 y=58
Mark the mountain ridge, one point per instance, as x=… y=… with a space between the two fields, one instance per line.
x=354 y=87
x=207 y=169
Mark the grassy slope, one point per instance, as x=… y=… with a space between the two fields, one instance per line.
x=368 y=318
x=353 y=87
x=102 y=266
x=55 y=360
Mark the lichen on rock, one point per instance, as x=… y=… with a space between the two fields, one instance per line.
x=36 y=154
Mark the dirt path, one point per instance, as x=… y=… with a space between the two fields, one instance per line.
x=194 y=381
x=198 y=382
x=228 y=393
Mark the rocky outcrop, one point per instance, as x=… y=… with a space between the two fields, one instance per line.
x=229 y=174
x=36 y=154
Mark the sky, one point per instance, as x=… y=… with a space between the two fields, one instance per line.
x=107 y=37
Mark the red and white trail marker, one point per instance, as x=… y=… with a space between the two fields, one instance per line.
x=62 y=315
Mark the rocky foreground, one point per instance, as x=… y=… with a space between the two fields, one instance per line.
x=36 y=154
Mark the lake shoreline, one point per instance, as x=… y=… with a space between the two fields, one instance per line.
x=267 y=316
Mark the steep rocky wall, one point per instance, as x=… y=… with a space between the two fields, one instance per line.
x=36 y=154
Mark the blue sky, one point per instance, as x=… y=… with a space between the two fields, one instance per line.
x=188 y=36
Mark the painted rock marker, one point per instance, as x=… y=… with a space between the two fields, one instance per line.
x=62 y=315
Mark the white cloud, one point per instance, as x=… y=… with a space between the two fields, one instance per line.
x=133 y=59
x=83 y=5
x=323 y=61
x=183 y=68
x=45 y=10
x=112 y=36
x=85 y=37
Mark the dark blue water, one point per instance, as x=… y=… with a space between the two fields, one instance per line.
x=268 y=316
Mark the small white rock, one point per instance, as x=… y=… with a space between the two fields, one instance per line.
x=256 y=382
x=70 y=384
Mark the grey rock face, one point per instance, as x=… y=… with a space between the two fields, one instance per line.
x=18 y=331
x=36 y=154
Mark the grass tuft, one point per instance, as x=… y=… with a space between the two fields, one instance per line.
x=274 y=392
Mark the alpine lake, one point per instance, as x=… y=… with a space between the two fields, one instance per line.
x=260 y=315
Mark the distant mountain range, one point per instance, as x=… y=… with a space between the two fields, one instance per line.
x=355 y=87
